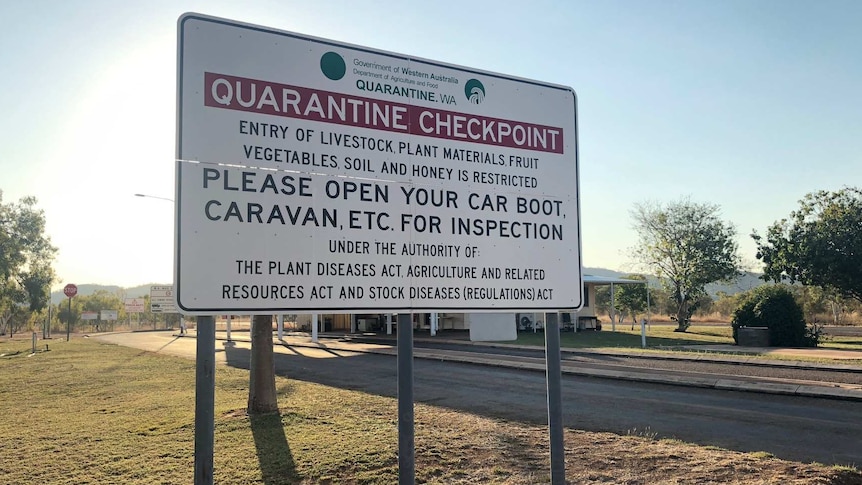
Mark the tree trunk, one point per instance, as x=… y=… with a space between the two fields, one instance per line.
x=261 y=387
x=682 y=317
x=836 y=312
x=5 y=317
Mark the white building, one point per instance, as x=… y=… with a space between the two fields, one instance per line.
x=482 y=326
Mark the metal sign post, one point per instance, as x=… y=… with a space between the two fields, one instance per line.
x=69 y=320
x=204 y=400
x=406 y=450
x=553 y=372
x=69 y=290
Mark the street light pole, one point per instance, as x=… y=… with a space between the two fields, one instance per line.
x=204 y=392
x=154 y=197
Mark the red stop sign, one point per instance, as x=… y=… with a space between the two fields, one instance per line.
x=70 y=290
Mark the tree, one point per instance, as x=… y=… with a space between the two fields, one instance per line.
x=96 y=302
x=26 y=254
x=819 y=245
x=603 y=300
x=660 y=301
x=774 y=307
x=631 y=299
x=817 y=302
x=261 y=387
x=725 y=304
x=688 y=246
x=703 y=306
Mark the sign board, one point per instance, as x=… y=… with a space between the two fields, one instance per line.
x=135 y=305
x=89 y=315
x=163 y=308
x=109 y=315
x=70 y=290
x=319 y=176
x=162 y=293
x=162 y=299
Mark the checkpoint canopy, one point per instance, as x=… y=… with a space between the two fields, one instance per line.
x=314 y=175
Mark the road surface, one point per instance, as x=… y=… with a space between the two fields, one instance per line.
x=789 y=427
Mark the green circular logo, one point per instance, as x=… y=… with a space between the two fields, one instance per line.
x=333 y=66
x=475 y=91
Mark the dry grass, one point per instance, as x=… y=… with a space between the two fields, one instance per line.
x=92 y=413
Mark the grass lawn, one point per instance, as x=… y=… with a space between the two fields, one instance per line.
x=663 y=336
x=842 y=343
x=87 y=412
x=625 y=337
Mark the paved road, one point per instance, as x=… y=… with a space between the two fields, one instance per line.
x=790 y=427
x=834 y=373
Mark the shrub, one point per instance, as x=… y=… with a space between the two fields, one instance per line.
x=774 y=307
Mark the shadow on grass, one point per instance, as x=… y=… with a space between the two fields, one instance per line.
x=273 y=451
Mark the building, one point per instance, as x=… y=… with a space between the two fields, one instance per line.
x=482 y=326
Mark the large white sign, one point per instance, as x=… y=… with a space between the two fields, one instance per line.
x=109 y=315
x=89 y=315
x=314 y=175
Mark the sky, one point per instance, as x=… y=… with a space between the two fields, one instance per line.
x=748 y=105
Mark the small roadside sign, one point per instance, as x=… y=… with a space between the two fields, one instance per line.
x=135 y=305
x=163 y=308
x=162 y=299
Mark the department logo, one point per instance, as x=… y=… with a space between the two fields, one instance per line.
x=332 y=65
x=475 y=91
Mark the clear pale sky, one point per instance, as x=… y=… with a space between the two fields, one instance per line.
x=746 y=104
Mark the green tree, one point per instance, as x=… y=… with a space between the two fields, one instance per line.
x=147 y=315
x=816 y=301
x=688 y=246
x=68 y=317
x=704 y=306
x=26 y=254
x=14 y=319
x=96 y=302
x=660 y=301
x=603 y=300
x=725 y=304
x=819 y=245
x=631 y=299
x=774 y=307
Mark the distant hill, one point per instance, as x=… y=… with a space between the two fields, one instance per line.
x=604 y=272
x=745 y=282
